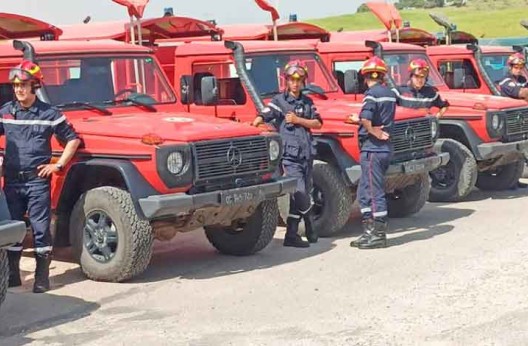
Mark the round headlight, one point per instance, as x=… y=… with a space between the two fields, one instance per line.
x=495 y=122
x=274 y=150
x=434 y=129
x=175 y=162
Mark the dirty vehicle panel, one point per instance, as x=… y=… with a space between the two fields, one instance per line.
x=145 y=170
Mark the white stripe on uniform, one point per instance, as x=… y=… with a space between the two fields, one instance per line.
x=275 y=107
x=379 y=99
x=33 y=122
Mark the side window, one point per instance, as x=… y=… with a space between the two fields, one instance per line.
x=230 y=89
x=339 y=69
x=459 y=74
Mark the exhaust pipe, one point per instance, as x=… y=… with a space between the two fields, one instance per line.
x=240 y=66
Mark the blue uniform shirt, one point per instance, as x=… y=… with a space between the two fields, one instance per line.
x=28 y=134
x=511 y=85
x=379 y=106
x=296 y=139
x=426 y=97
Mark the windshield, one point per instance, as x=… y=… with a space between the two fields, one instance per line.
x=398 y=64
x=266 y=71
x=495 y=66
x=104 y=81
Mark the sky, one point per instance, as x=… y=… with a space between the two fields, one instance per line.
x=225 y=12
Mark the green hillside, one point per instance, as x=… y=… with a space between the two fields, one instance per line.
x=484 y=18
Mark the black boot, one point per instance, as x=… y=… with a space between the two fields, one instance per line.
x=310 y=231
x=368 y=228
x=13 y=258
x=293 y=239
x=42 y=273
x=378 y=238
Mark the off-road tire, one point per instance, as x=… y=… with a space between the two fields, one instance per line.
x=410 y=199
x=337 y=209
x=4 y=275
x=254 y=235
x=503 y=178
x=135 y=238
x=465 y=173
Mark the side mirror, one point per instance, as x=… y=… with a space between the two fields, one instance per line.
x=209 y=91
x=351 y=82
x=186 y=89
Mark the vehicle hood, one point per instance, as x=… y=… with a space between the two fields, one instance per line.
x=469 y=100
x=171 y=126
x=339 y=109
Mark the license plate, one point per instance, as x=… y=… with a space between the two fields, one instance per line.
x=411 y=167
x=232 y=198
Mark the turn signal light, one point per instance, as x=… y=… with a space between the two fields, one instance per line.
x=151 y=139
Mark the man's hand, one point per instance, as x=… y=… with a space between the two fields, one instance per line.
x=44 y=171
x=257 y=121
x=377 y=131
x=352 y=119
x=291 y=118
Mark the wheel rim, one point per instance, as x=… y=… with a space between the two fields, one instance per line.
x=100 y=236
x=444 y=176
x=318 y=202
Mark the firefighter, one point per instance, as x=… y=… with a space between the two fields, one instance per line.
x=417 y=94
x=376 y=120
x=294 y=115
x=514 y=84
x=28 y=124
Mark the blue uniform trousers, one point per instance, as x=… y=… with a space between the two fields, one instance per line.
x=300 y=201
x=33 y=196
x=371 y=191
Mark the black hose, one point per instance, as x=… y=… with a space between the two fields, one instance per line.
x=240 y=66
x=477 y=53
x=29 y=54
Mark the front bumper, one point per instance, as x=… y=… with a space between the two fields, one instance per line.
x=417 y=166
x=169 y=205
x=11 y=232
x=493 y=150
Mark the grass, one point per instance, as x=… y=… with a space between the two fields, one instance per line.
x=484 y=19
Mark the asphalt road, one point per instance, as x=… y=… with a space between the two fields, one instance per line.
x=454 y=274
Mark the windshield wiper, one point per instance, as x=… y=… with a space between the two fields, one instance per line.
x=85 y=105
x=134 y=101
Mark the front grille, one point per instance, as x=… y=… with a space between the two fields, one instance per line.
x=411 y=135
x=516 y=121
x=221 y=159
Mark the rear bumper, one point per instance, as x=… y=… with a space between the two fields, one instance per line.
x=11 y=232
x=417 y=166
x=493 y=150
x=170 y=205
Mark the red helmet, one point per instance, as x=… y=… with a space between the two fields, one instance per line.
x=26 y=71
x=374 y=66
x=419 y=67
x=516 y=59
x=295 y=69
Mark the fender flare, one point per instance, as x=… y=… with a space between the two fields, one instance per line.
x=473 y=140
x=329 y=150
x=136 y=184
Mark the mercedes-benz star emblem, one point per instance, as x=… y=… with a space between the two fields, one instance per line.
x=234 y=157
x=410 y=135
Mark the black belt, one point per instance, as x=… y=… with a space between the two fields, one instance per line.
x=21 y=175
